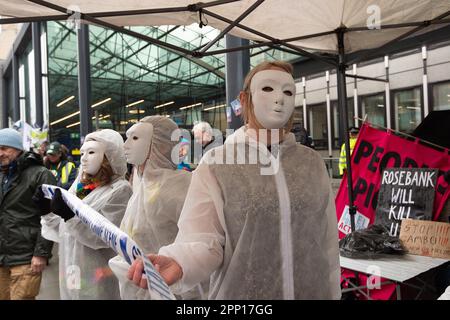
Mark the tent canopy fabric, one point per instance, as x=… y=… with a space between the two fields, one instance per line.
x=367 y=22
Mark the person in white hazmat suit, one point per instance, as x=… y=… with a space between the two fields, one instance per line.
x=257 y=232
x=159 y=191
x=83 y=257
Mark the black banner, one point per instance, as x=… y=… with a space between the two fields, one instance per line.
x=405 y=194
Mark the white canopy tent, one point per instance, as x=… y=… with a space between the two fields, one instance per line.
x=368 y=23
x=320 y=29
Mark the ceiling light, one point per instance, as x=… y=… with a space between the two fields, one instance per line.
x=93 y=118
x=100 y=102
x=164 y=104
x=137 y=111
x=191 y=106
x=73 y=124
x=65 y=101
x=64 y=118
x=211 y=108
x=134 y=103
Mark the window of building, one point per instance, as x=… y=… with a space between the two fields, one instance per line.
x=26 y=84
x=298 y=116
x=337 y=121
x=441 y=96
x=192 y=116
x=407 y=106
x=9 y=99
x=22 y=93
x=375 y=108
x=317 y=118
x=216 y=117
x=31 y=82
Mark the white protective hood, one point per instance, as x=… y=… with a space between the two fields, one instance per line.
x=113 y=143
x=155 y=206
x=83 y=255
x=258 y=236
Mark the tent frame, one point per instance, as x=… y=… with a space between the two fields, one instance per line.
x=336 y=61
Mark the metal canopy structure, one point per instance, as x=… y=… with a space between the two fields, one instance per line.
x=327 y=31
x=126 y=69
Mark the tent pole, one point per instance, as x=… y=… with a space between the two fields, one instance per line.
x=232 y=25
x=342 y=99
x=373 y=52
x=273 y=41
x=191 y=8
x=34 y=19
x=365 y=78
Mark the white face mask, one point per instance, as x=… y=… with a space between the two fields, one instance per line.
x=273 y=97
x=92 y=153
x=137 y=146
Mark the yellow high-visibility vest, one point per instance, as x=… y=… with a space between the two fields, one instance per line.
x=65 y=171
x=342 y=158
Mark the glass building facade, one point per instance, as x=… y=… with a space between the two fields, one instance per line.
x=130 y=78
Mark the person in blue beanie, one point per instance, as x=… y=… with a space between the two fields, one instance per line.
x=24 y=253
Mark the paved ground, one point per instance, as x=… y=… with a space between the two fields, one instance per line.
x=50 y=283
x=335 y=183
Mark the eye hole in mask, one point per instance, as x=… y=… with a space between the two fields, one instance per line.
x=267 y=89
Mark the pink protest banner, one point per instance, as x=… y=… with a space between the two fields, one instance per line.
x=374 y=151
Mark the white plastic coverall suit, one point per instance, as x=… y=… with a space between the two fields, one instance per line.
x=153 y=210
x=259 y=236
x=82 y=255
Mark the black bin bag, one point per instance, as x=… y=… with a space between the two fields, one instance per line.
x=371 y=243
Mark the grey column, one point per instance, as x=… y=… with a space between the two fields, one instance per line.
x=84 y=81
x=237 y=65
x=15 y=83
x=36 y=33
x=4 y=94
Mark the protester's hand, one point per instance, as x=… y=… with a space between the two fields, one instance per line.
x=38 y=264
x=167 y=267
x=41 y=201
x=59 y=206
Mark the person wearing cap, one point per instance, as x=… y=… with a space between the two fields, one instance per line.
x=353 y=131
x=24 y=253
x=57 y=162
